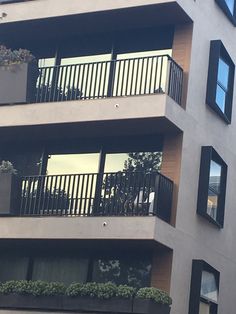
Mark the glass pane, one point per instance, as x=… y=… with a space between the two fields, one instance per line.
x=230 y=5
x=141 y=76
x=134 y=161
x=58 y=269
x=209 y=289
x=223 y=73
x=204 y=308
x=220 y=98
x=135 y=273
x=13 y=268
x=214 y=189
x=73 y=164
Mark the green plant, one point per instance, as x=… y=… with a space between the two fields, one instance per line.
x=154 y=294
x=90 y=289
x=8 y=56
x=7 y=167
x=35 y=288
x=124 y=291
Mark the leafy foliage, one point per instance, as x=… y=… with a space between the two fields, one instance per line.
x=91 y=289
x=8 y=56
x=7 y=167
x=154 y=294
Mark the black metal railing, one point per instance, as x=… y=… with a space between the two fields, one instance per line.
x=126 y=77
x=106 y=194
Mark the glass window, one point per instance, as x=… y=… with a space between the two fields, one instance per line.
x=230 y=4
x=13 y=268
x=58 y=269
x=214 y=189
x=209 y=289
x=220 y=83
x=212 y=186
x=204 y=288
x=133 y=272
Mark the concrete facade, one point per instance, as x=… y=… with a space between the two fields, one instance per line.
x=189 y=236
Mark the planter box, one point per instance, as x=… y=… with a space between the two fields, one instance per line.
x=9 y=194
x=15 y=301
x=62 y=303
x=141 y=306
x=116 y=305
x=18 y=83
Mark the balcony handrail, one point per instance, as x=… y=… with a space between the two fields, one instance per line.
x=155 y=74
x=112 y=60
x=90 y=194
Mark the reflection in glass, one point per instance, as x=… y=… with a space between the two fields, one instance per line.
x=223 y=73
x=214 y=189
x=73 y=163
x=133 y=272
x=222 y=84
x=230 y=5
x=209 y=288
x=60 y=269
x=220 y=98
x=13 y=268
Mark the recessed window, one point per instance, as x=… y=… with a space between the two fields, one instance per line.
x=220 y=81
x=212 y=186
x=229 y=8
x=204 y=291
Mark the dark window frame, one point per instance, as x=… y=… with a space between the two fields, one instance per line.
x=198 y=266
x=217 y=52
x=224 y=7
x=208 y=154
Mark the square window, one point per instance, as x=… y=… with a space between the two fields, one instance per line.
x=228 y=7
x=204 y=288
x=220 y=83
x=212 y=186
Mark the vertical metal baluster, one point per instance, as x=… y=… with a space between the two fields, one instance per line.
x=156 y=71
x=132 y=77
x=72 y=196
x=77 y=197
x=28 y=196
x=39 y=86
x=58 y=193
x=32 y=195
x=44 y=87
x=151 y=73
x=123 y=77
x=86 y=194
x=86 y=82
x=67 y=197
x=23 y=196
x=50 y=87
x=141 y=77
x=127 y=78
x=95 y=80
x=59 y=86
x=146 y=76
x=81 y=198
x=90 y=195
x=104 y=82
x=82 y=81
x=137 y=74
x=100 y=79
x=54 y=194
x=63 y=93
x=55 y=82
x=43 y=196
x=91 y=81
x=161 y=69
x=117 y=75
x=63 y=194
x=69 y=86
x=49 y=196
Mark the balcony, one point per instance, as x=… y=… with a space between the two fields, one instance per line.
x=107 y=194
x=116 y=78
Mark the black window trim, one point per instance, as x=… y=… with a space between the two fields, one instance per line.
x=207 y=155
x=218 y=51
x=198 y=266
x=232 y=17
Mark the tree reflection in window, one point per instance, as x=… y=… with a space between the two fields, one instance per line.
x=133 y=272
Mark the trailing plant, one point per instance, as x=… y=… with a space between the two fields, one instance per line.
x=7 y=167
x=8 y=56
x=154 y=294
x=91 y=289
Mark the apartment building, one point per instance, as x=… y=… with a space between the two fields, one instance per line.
x=124 y=144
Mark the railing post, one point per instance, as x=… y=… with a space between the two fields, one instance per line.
x=156 y=190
